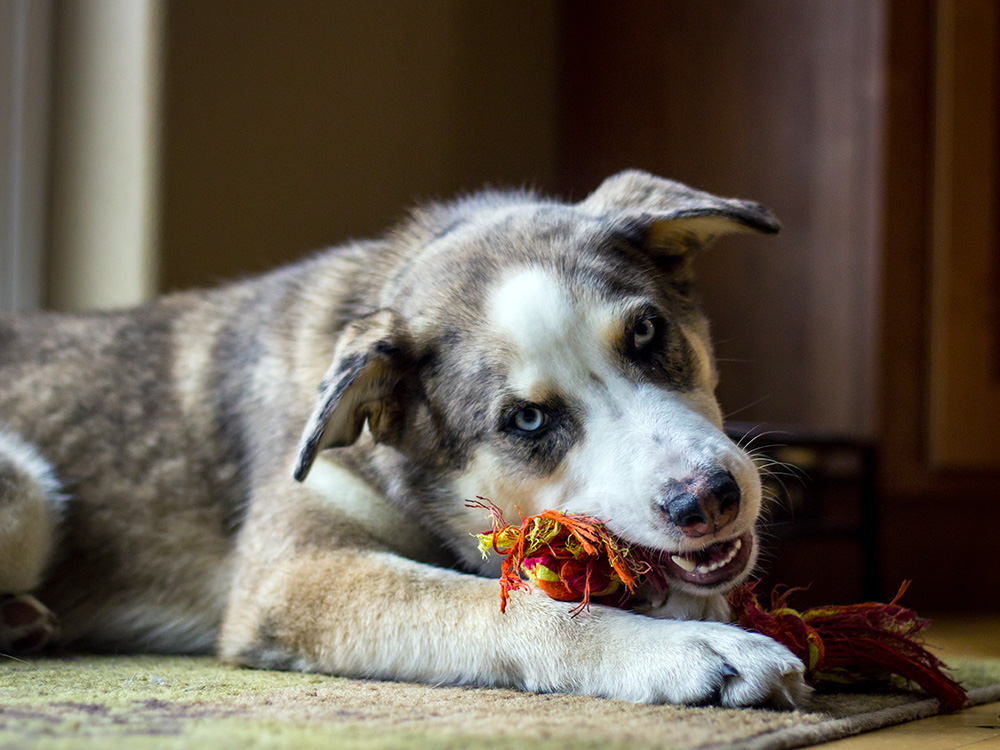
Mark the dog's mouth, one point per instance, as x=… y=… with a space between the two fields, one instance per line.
x=712 y=566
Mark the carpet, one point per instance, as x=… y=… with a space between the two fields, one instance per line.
x=195 y=702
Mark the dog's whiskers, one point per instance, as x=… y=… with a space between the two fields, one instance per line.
x=20 y=661
x=751 y=405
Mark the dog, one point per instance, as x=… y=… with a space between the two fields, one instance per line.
x=277 y=470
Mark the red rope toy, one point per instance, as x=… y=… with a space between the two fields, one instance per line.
x=574 y=558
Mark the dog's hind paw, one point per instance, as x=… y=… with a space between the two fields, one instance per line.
x=26 y=625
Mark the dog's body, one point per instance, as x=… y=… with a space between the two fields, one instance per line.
x=540 y=354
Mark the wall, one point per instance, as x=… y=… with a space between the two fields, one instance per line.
x=775 y=100
x=291 y=126
x=940 y=522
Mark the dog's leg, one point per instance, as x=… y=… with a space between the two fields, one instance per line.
x=29 y=502
x=375 y=614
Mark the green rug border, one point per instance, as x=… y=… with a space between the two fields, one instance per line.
x=160 y=696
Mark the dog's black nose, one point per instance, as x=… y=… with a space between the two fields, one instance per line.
x=702 y=504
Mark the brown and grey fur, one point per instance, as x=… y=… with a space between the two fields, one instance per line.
x=149 y=454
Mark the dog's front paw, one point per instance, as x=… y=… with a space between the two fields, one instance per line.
x=698 y=663
x=763 y=672
x=26 y=625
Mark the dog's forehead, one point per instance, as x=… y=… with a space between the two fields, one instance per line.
x=550 y=328
x=462 y=267
x=559 y=237
x=533 y=307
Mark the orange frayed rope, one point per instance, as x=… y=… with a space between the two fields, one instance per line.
x=574 y=558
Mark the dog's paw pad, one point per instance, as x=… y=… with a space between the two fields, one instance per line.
x=26 y=624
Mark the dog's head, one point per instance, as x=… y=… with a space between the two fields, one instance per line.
x=548 y=355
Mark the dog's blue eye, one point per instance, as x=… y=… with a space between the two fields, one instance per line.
x=530 y=419
x=643 y=333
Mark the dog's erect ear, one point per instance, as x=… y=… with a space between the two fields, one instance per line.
x=675 y=217
x=362 y=383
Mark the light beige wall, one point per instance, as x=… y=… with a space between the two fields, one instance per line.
x=291 y=126
x=105 y=160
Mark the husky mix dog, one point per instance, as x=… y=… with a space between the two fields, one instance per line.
x=171 y=480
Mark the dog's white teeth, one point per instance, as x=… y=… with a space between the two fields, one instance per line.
x=692 y=567
x=683 y=562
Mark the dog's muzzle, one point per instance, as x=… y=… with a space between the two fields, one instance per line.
x=705 y=505
x=701 y=505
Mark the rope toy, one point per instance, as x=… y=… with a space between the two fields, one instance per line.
x=574 y=558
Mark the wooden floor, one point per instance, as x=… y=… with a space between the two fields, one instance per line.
x=975 y=728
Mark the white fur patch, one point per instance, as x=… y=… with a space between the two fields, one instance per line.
x=557 y=340
x=358 y=500
x=29 y=517
x=637 y=437
x=31 y=461
x=531 y=308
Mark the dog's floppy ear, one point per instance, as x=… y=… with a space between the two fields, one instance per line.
x=673 y=216
x=362 y=383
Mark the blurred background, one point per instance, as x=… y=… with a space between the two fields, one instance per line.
x=154 y=145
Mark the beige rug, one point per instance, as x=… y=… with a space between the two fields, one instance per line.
x=187 y=702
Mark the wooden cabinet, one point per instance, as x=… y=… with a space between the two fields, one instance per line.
x=964 y=386
x=870 y=127
x=775 y=100
x=941 y=509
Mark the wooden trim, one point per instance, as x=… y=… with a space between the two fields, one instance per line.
x=904 y=246
x=105 y=153
x=964 y=393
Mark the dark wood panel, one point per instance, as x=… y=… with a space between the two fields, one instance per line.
x=938 y=527
x=904 y=389
x=811 y=109
x=777 y=100
x=964 y=392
